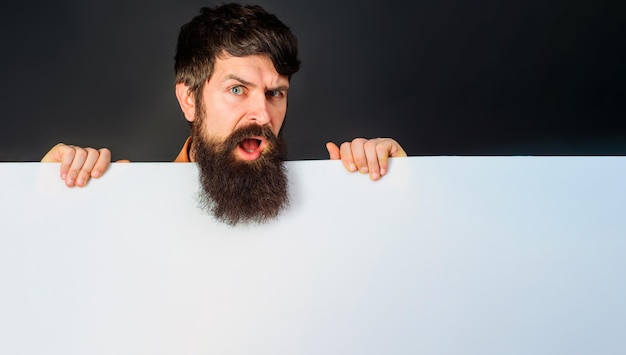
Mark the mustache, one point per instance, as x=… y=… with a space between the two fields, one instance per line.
x=253 y=130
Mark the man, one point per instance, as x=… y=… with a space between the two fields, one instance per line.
x=233 y=68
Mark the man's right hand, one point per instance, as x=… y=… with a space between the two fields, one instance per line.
x=78 y=165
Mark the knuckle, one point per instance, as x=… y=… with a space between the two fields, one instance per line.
x=67 y=155
x=381 y=149
x=84 y=173
x=91 y=152
x=64 y=149
x=358 y=141
x=371 y=143
x=80 y=152
x=73 y=172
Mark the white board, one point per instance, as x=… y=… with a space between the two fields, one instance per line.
x=445 y=255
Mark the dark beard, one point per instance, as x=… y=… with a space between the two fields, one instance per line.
x=239 y=191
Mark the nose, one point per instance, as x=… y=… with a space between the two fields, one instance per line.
x=258 y=112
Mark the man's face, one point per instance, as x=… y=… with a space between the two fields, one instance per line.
x=243 y=91
x=235 y=126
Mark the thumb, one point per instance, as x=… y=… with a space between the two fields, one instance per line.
x=333 y=151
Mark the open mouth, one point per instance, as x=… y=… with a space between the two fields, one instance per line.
x=251 y=148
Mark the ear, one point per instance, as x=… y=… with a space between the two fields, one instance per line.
x=186 y=100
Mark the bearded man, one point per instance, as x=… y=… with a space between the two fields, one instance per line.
x=233 y=68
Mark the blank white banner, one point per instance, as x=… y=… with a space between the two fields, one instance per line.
x=445 y=255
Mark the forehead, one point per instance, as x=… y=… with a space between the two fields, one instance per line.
x=253 y=68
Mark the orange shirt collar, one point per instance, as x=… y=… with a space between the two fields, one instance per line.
x=183 y=156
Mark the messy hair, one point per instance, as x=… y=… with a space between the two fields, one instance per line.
x=237 y=30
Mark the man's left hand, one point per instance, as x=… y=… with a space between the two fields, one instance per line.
x=366 y=155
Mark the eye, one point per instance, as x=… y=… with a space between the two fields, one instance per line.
x=237 y=90
x=274 y=93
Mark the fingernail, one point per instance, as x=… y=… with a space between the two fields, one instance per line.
x=80 y=182
x=70 y=182
x=352 y=167
x=95 y=174
x=63 y=176
x=383 y=171
x=364 y=170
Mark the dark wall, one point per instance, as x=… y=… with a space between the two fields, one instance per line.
x=443 y=77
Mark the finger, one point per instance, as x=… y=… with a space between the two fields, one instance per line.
x=102 y=163
x=358 y=154
x=346 y=157
x=333 y=151
x=382 y=151
x=395 y=150
x=85 y=172
x=54 y=154
x=372 y=158
x=66 y=157
x=76 y=166
x=60 y=153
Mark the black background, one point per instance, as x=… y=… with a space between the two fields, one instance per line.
x=445 y=77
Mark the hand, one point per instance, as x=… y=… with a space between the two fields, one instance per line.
x=366 y=155
x=78 y=164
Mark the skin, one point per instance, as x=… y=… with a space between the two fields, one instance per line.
x=78 y=164
x=241 y=91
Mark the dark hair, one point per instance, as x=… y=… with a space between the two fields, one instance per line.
x=240 y=31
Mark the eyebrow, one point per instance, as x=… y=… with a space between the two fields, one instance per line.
x=247 y=83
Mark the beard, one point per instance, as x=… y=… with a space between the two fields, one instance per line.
x=236 y=190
